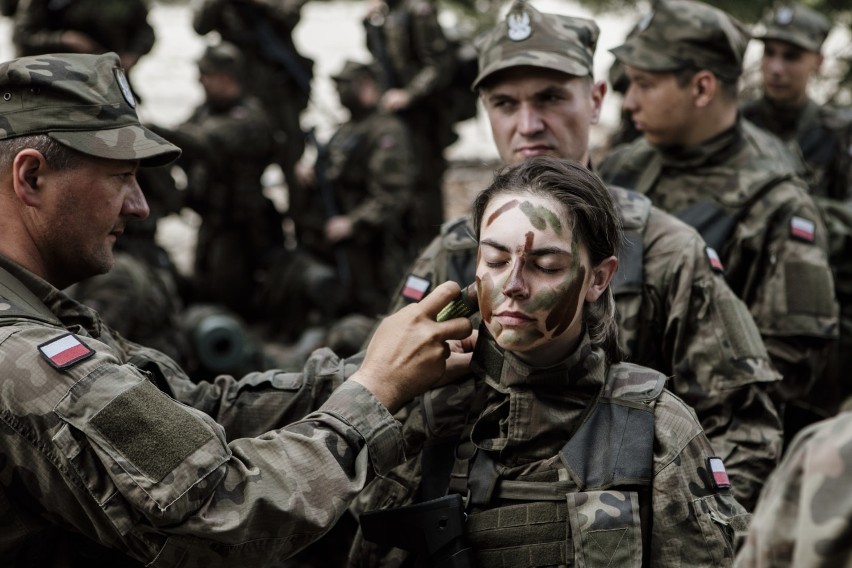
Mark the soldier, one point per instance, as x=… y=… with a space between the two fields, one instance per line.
x=792 y=38
x=417 y=64
x=84 y=26
x=228 y=143
x=804 y=514
x=734 y=183
x=675 y=312
x=275 y=72
x=366 y=193
x=102 y=466
x=544 y=444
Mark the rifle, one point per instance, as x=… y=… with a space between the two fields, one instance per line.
x=329 y=205
x=434 y=530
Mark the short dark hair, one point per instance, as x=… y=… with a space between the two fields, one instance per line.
x=592 y=215
x=729 y=86
x=58 y=156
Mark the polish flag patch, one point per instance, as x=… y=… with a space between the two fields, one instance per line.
x=415 y=288
x=65 y=351
x=715 y=261
x=718 y=473
x=802 y=229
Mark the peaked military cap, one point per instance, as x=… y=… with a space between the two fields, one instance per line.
x=529 y=38
x=223 y=57
x=795 y=24
x=82 y=101
x=678 y=34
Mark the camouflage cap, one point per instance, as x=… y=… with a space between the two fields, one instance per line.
x=224 y=57
x=352 y=70
x=679 y=34
x=795 y=24
x=82 y=101
x=529 y=38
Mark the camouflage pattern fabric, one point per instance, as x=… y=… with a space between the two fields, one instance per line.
x=803 y=517
x=114 y=25
x=680 y=34
x=681 y=319
x=91 y=112
x=796 y=24
x=105 y=466
x=526 y=417
x=780 y=272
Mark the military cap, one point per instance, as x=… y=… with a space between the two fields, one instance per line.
x=224 y=57
x=529 y=38
x=352 y=70
x=679 y=34
x=82 y=101
x=795 y=24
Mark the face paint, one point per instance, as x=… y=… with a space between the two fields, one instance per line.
x=503 y=208
x=562 y=314
x=541 y=217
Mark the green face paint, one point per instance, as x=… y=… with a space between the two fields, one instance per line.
x=540 y=217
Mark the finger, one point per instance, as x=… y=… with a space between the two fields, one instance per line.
x=456 y=328
x=438 y=298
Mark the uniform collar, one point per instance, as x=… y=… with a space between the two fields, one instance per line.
x=713 y=151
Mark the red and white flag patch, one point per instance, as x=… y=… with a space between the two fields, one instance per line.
x=802 y=229
x=65 y=351
x=715 y=261
x=718 y=473
x=415 y=288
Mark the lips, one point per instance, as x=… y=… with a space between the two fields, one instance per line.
x=508 y=319
x=529 y=151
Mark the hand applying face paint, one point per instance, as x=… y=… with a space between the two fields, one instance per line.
x=464 y=305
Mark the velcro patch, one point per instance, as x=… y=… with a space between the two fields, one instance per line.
x=65 y=351
x=802 y=229
x=415 y=288
x=718 y=473
x=715 y=261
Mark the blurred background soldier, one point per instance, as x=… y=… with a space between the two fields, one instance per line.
x=362 y=188
x=227 y=144
x=417 y=63
x=275 y=72
x=792 y=37
x=84 y=26
x=734 y=183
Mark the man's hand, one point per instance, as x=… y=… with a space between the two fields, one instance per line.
x=395 y=100
x=408 y=353
x=339 y=228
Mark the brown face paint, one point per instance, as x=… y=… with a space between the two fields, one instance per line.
x=503 y=208
x=566 y=307
x=486 y=293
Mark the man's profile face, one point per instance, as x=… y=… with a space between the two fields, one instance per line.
x=535 y=111
x=661 y=109
x=786 y=70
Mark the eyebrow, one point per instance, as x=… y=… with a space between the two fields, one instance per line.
x=542 y=251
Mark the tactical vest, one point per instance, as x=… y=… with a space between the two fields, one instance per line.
x=606 y=465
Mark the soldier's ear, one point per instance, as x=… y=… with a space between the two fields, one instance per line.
x=602 y=275
x=28 y=169
x=704 y=86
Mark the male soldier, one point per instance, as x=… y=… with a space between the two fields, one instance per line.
x=675 y=312
x=792 y=38
x=228 y=144
x=416 y=61
x=366 y=193
x=275 y=73
x=733 y=182
x=804 y=515
x=101 y=465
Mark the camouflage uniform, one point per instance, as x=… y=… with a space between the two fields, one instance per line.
x=227 y=146
x=803 y=517
x=367 y=169
x=740 y=190
x=823 y=135
x=675 y=312
x=277 y=74
x=533 y=496
x=414 y=54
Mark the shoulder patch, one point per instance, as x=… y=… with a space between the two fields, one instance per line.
x=415 y=288
x=715 y=261
x=718 y=473
x=802 y=229
x=65 y=351
x=387 y=142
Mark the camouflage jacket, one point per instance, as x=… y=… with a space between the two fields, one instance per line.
x=117 y=25
x=103 y=464
x=677 y=315
x=536 y=432
x=741 y=192
x=804 y=514
x=371 y=168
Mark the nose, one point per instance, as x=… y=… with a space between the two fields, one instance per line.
x=629 y=102
x=530 y=120
x=135 y=204
x=516 y=286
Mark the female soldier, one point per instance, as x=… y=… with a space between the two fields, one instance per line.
x=563 y=455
